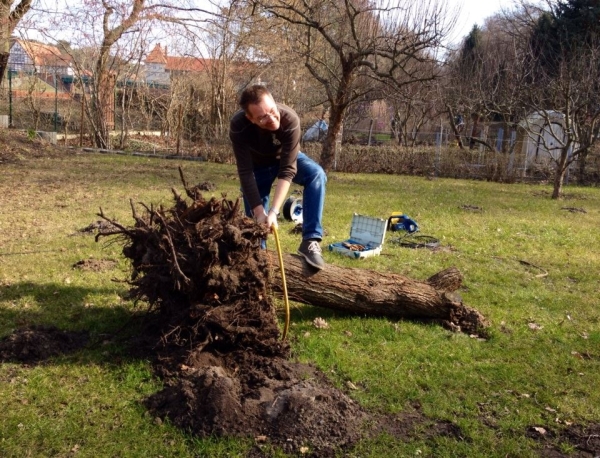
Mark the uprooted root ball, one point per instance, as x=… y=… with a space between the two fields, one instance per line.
x=217 y=346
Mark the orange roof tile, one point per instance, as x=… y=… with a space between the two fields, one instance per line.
x=186 y=64
x=157 y=56
x=44 y=54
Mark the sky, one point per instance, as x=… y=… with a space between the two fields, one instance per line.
x=474 y=12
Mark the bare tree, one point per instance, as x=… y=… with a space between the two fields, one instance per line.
x=10 y=15
x=349 y=43
x=485 y=78
x=413 y=107
x=240 y=49
x=573 y=92
x=226 y=40
x=35 y=88
x=111 y=29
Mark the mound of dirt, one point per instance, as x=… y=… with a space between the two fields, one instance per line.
x=267 y=398
x=17 y=146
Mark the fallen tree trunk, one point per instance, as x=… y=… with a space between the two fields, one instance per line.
x=372 y=293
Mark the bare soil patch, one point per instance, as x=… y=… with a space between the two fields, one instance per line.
x=95 y=265
x=584 y=440
x=36 y=344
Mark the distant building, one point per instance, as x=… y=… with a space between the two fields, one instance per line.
x=162 y=68
x=34 y=57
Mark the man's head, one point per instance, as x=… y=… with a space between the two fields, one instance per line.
x=260 y=108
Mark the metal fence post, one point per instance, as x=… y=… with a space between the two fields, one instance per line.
x=55 y=103
x=10 y=107
x=438 y=153
x=499 y=139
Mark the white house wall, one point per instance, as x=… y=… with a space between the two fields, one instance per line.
x=157 y=73
x=19 y=60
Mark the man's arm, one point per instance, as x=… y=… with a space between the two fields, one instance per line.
x=281 y=190
x=238 y=134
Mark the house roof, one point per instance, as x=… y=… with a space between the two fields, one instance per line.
x=43 y=54
x=158 y=55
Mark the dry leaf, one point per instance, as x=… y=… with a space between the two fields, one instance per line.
x=320 y=323
x=304 y=450
x=540 y=430
x=351 y=385
x=535 y=326
x=550 y=409
x=260 y=439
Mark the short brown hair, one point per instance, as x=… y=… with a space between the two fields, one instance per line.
x=252 y=95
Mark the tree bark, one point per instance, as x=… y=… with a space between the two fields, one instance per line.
x=373 y=293
x=3 y=64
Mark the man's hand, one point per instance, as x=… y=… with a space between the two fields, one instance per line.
x=272 y=220
x=260 y=215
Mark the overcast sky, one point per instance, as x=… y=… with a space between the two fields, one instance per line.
x=474 y=12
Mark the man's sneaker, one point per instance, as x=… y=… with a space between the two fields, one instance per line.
x=311 y=250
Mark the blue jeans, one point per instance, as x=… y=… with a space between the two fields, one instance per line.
x=312 y=177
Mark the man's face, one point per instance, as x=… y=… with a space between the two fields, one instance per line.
x=264 y=114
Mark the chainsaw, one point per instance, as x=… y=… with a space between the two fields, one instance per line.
x=401 y=222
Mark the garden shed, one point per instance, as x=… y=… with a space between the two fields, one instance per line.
x=541 y=136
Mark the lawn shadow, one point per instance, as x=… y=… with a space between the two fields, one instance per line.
x=63 y=322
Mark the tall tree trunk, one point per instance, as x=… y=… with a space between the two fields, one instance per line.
x=475 y=131
x=454 y=127
x=559 y=177
x=561 y=170
x=3 y=64
x=328 y=152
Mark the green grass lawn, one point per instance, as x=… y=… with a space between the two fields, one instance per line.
x=530 y=266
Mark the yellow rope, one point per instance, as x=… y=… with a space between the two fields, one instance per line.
x=285 y=293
